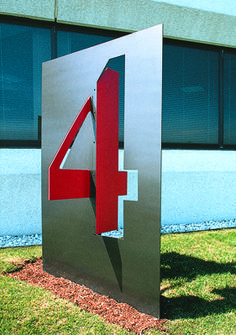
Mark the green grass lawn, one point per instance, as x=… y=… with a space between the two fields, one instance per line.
x=198 y=292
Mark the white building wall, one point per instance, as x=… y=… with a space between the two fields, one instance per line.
x=20 y=191
x=227 y=7
x=197 y=186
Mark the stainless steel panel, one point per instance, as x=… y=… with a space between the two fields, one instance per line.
x=127 y=269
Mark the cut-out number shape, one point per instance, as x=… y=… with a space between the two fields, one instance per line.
x=110 y=182
x=69 y=183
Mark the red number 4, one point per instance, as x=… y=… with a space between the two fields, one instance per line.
x=110 y=182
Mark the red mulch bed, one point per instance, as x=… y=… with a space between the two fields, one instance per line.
x=118 y=313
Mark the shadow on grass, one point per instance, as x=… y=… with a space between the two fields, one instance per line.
x=189 y=267
x=186 y=269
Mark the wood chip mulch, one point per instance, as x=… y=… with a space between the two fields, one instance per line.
x=118 y=313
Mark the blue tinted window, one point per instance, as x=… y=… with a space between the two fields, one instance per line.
x=191 y=85
x=229 y=98
x=22 y=51
x=190 y=95
x=69 y=42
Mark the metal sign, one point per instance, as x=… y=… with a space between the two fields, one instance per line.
x=84 y=189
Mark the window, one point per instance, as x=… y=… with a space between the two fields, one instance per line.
x=190 y=95
x=22 y=51
x=229 y=85
x=199 y=85
x=70 y=41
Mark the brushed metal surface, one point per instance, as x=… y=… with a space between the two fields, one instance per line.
x=127 y=269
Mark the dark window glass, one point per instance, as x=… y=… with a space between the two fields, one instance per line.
x=190 y=95
x=229 y=98
x=69 y=42
x=22 y=51
x=191 y=100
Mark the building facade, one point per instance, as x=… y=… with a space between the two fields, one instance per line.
x=199 y=100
